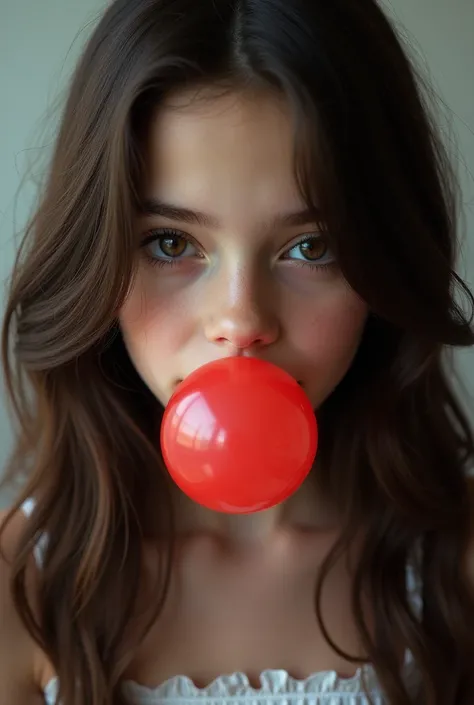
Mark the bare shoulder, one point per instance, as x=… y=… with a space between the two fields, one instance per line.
x=17 y=648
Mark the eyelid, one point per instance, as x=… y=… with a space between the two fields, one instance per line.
x=157 y=233
x=300 y=239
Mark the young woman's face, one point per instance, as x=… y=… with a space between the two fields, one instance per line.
x=229 y=263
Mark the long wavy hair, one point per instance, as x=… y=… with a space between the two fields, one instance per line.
x=395 y=443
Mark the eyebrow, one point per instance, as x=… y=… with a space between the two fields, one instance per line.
x=154 y=207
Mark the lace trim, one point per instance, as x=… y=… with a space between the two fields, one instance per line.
x=273 y=683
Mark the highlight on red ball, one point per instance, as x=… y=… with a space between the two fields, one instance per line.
x=239 y=435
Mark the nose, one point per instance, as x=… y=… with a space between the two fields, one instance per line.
x=242 y=313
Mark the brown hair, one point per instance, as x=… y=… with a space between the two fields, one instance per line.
x=395 y=443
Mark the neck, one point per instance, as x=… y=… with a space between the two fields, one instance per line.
x=303 y=511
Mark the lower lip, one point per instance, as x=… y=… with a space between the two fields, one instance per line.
x=178 y=382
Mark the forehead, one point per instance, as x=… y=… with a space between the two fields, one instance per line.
x=222 y=153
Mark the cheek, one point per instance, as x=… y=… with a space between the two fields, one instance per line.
x=150 y=315
x=335 y=330
x=154 y=327
x=327 y=335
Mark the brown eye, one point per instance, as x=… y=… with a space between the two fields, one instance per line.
x=169 y=247
x=172 y=245
x=313 y=248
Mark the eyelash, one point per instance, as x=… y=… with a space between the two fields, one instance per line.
x=154 y=235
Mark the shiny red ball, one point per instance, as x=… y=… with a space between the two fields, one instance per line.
x=239 y=435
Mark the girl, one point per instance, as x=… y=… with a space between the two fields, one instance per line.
x=239 y=177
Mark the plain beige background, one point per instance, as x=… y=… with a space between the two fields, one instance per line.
x=41 y=39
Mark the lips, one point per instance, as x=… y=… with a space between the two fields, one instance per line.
x=178 y=381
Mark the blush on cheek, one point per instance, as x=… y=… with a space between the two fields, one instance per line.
x=329 y=320
x=336 y=331
x=328 y=340
x=155 y=330
x=145 y=313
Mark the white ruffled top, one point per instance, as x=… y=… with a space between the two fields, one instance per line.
x=277 y=687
